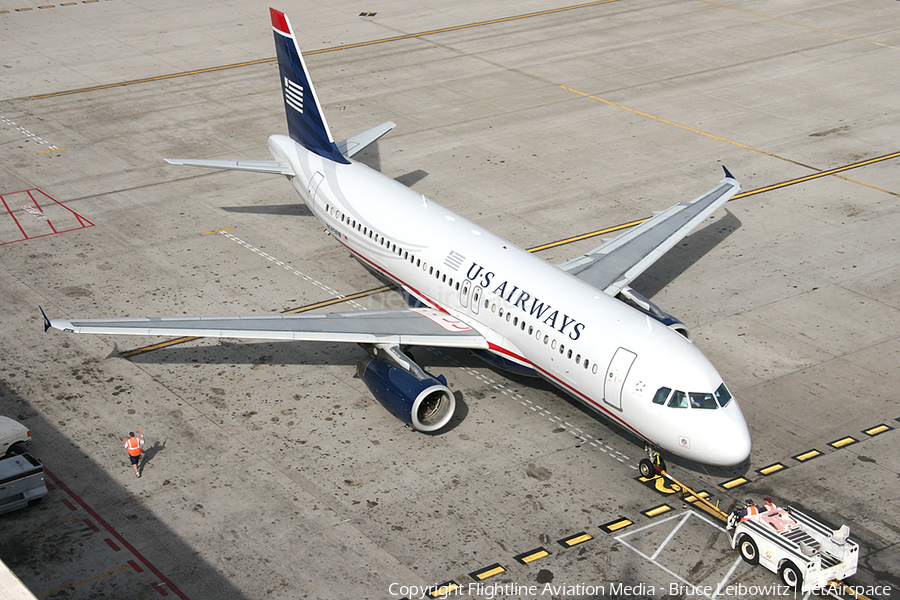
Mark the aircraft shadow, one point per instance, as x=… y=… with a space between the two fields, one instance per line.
x=282 y=210
x=680 y=258
x=254 y=353
x=412 y=178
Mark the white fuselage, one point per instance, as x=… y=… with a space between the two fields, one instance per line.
x=601 y=351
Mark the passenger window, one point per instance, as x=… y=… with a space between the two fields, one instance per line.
x=594 y=370
x=723 y=395
x=661 y=395
x=577 y=358
x=679 y=400
x=702 y=401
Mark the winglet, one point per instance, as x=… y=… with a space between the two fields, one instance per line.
x=728 y=173
x=46 y=320
x=306 y=121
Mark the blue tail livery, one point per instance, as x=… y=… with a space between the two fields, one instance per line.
x=306 y=123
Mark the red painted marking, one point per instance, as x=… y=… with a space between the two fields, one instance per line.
x=116 y=535
x=91 y=525
x=137 y=568
x=68 y=504
x=279 y=22
x=37 y=198
x=15 y=220
x=162 y=591
x=112 y=544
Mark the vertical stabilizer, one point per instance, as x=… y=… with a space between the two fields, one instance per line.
x=306 y=122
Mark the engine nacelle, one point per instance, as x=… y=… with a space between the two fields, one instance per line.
x=634 y=299
x=420 y=400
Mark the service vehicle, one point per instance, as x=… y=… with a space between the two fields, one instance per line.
x=21 y=482
x=13 y=436
x=806 y=554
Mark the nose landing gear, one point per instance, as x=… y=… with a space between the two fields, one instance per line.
x=653 y=464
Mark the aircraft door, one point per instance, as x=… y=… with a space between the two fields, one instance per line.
x=615 y=377
x=476 y=299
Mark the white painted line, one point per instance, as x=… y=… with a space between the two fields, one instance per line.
x=728 y=576
x=671 y=535
x=303 y=276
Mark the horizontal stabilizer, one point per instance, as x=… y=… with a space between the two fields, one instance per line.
x=257 y=166
x=354 y=144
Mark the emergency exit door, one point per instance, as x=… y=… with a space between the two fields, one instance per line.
x=615 y=377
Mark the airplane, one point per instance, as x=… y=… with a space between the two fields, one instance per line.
x=578 y=325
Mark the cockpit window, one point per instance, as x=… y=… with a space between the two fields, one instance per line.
x=723 y=395
x=661 y=395
x=679 y=400
x=699 y=400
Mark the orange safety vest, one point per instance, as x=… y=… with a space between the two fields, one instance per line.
x=752 y=511
x=134 y=446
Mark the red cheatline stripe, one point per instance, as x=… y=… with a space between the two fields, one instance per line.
x=115 y=534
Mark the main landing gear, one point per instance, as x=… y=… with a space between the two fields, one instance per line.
x=653 y=465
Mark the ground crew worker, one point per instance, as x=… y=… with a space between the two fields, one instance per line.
x=133 y=445
x=768 y=504
x=751 y=511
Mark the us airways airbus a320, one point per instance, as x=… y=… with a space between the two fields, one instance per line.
x=578 y=325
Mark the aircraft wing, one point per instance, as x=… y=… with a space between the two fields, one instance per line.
x=619 y=261
x=416 y=327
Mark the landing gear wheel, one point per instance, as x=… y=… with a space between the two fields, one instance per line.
x=749 y=551
x=790 y=575
x=646 y=468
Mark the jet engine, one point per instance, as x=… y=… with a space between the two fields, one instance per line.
x=630 y=297
x=406 y=390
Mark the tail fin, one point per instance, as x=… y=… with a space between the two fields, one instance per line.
x=306 y=123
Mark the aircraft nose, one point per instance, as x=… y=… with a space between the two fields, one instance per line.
x=734 y=437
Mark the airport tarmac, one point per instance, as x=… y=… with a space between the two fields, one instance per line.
x=270 y=471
